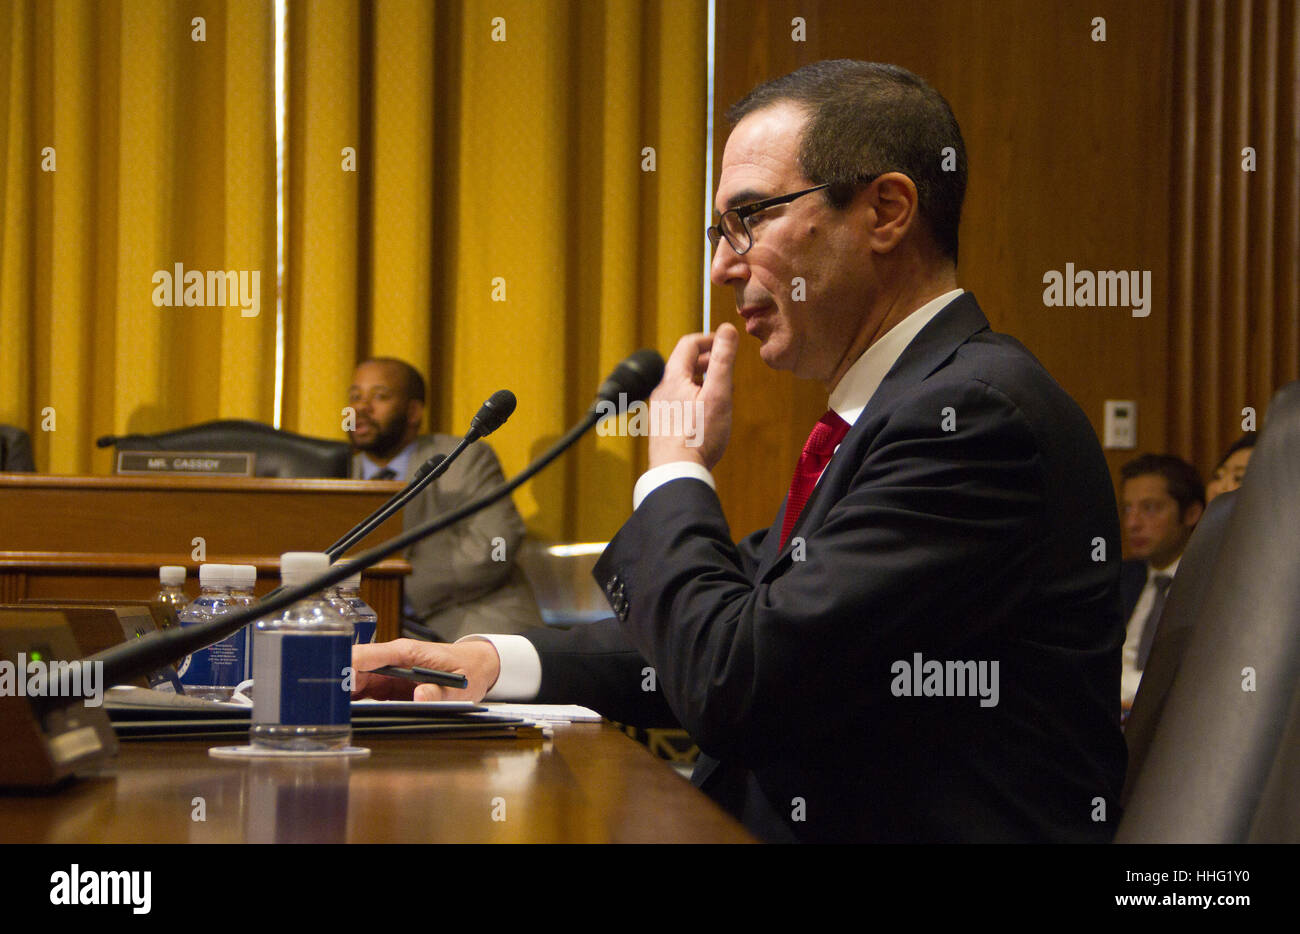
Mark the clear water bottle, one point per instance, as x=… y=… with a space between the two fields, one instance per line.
x=213 y=673
x=241 y=590
x=241 y=595
x=347 y=597
x=172 y=590
x=301 y=700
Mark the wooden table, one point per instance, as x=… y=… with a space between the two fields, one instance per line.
x=106 y=537
x=589 y=784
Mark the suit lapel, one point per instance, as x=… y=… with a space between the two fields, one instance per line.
x=957 y=323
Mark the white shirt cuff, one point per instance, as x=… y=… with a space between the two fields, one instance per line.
x=656 y=477
x=521 y=668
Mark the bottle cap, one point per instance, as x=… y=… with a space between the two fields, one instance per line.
x=215 y=575
x=245 y=576
x=298 y=567
x=171 y=575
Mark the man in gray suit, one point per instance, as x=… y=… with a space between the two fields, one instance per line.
x=464 y=579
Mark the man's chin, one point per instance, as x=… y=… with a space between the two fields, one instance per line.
x=375 y=447
x=774 y=355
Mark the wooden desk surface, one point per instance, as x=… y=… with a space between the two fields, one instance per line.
x=589 y=784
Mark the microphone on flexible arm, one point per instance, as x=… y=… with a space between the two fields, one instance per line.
x=632 y=381
x=491 y=415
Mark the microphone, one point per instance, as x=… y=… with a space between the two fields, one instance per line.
x=491 y=415
x=632 y=380
x=129 y=660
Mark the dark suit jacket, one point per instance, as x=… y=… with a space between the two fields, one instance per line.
x=457 y=586
x=974 y=544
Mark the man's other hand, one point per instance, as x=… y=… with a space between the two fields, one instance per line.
x=476 y=659
x=698 y=383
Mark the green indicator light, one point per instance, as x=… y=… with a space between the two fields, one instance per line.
x=37 y=657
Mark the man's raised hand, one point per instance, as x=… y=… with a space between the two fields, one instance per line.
x=698 y=376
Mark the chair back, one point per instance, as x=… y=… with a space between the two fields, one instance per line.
x=560 y=576
x=1218 y=768
x=278 y=453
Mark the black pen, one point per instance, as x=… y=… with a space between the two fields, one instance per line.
x=424 y=676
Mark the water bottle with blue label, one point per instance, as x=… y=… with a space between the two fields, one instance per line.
x=347 y=597
x=244 y=577
x=214 y=672
x=301 y=668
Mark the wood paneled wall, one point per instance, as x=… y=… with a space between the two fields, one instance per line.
x=1235 y=226
x=1072 y=144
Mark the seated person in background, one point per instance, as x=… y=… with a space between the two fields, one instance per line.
x=1227 y=476
x=463 y=579
x=1161 y=500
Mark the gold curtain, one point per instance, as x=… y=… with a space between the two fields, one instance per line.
x=137 y=135
x=507 y=194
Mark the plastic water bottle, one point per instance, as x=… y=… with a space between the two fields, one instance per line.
x=172 y=593
x=347 y=596
x=244 y=580
x=241 y=595
x=214 y=672
x=301 y=699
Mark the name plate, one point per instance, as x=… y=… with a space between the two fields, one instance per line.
x=194 y=463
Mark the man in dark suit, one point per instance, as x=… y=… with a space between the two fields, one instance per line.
x=925 y=644
x=1162 y=499
x=464 y=579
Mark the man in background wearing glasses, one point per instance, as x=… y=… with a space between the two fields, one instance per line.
x=925 y=644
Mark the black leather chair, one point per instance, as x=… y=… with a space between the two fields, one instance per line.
x=279 y=453
x=1224 y=755
x=15 y=450
x=1195 y=571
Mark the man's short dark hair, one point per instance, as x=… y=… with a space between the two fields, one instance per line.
x=866 y=119
x=1181 y=478
x=414 y=381
x=1245 y=441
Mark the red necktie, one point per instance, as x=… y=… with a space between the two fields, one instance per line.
x=817 y=450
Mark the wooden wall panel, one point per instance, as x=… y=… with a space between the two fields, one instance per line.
x=1069 y=143
x=1236 y=223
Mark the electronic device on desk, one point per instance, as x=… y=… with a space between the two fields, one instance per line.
x=45 y=744
x=164 y=616
x=99 y=624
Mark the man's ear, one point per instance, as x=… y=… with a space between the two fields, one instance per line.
x=893 y=200
x=414 y=413
x=1192 y=514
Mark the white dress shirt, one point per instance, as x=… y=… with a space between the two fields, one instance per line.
x=397 y=465
x=521 y=667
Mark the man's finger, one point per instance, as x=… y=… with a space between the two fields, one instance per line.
x=722 y=359
x=682 y=363
x=427 y=693
x=402 y=653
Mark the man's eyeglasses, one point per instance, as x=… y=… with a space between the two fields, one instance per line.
x=733 y=225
